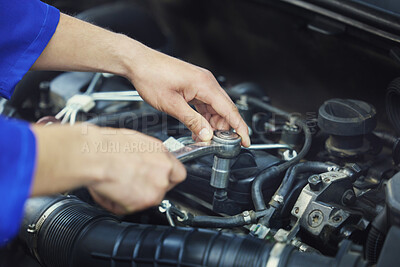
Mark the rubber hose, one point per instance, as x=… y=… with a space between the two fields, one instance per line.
x=387 y=138
x=392 y=142
x=76 y=234
x=293 y=172
x=66 y=232
x=256 y=190
x=374 y=245
x=393 y=104
x=291 y=198
x=220 y=222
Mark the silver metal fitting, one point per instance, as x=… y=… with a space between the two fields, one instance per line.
x=246 y=216
x=289 y=155
x=225 y=144
x=278 y=198
x=164 y=208
x=220 y=173
x=165 y=205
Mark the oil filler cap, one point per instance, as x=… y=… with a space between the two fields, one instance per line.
x=347 y=122
x=347 y=117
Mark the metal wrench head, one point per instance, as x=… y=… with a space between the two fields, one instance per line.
x=225 y=144
x=228 y=143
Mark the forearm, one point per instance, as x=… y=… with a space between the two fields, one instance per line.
x=121 y=167
x=81 y=46
x=166 y=83
x=65 y=158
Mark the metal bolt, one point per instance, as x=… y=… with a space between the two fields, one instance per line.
x=355 y=169
x=315 y=218
x=347 y=233
x=227 y=135
x=315 y=182
x=296 y=210
x=246 y=216
x=349 y=197
x=337 y=218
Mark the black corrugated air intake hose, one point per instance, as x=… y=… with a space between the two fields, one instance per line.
x=64 y=231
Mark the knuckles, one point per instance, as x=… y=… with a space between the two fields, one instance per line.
x=152 y=199
x=205 y=76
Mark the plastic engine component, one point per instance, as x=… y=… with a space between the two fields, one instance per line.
x=347 y=122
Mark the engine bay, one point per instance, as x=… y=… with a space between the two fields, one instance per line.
x=319 y=185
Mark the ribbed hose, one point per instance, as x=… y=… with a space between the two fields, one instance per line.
x=76 y=234
x=256 y=190
x=393 y=104
x=374 y=245
x=66 y=232
x=120 y=244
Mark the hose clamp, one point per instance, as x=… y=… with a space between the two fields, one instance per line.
x=34 y=228
x=275 y=255
x=278 y=199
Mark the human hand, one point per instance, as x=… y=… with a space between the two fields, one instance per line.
x=124 y=170
x=138 y=179
x=170 y=85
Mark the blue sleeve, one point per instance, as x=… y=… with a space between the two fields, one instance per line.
x=26 y=26
x=17 y=166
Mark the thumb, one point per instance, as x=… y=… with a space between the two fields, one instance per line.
x=192 y=119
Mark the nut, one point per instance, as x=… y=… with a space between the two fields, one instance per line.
x=315 y=182
x=337 y=218
x=296 y=210
x=349 y=197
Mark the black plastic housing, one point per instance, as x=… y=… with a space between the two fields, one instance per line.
x=244 y=169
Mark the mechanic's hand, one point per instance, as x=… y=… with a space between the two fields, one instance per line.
x=124 y=170
x=169 y=84
x=139 y=178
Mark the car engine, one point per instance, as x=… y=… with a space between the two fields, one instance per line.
x=315 y=188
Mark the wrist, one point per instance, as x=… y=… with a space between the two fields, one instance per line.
x=63 y=163
x=133 y=57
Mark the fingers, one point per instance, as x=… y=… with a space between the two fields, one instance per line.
x=211 y=93
x=106 y=203
x=227 y=110
x=219 y=123
x=178 y=171
x=192 y=119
